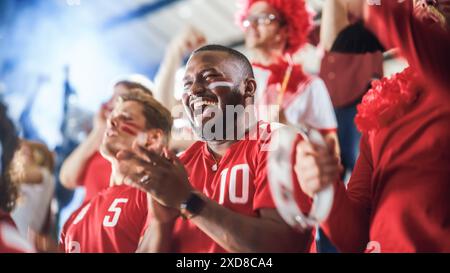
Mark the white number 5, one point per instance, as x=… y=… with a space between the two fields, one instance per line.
x=107 y=221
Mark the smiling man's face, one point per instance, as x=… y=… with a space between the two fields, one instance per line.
x=213 y=80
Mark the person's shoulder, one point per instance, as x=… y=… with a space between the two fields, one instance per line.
x=316 y=83
x=190 y=152
x=119 y=191
x=98 y=158
x=261 y=134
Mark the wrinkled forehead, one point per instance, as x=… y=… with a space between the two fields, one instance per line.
x=218 y=61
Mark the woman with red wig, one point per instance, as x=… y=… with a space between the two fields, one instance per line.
x=274 y=30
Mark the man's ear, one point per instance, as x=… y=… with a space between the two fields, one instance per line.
x=249 y=87
x=156 y=139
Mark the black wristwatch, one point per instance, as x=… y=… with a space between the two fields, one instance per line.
x=192 y=206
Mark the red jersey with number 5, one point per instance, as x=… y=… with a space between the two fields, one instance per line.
x=112 y=222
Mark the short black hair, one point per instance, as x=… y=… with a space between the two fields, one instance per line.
x=244 y=62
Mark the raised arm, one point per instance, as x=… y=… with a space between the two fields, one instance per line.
x=425 y=47
x=349 y=220
x=179 y=47
x=334 y=20
x=348 y=223
x=74 y=165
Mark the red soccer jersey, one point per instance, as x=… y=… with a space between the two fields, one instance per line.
x=96 y=175
x=10 y=239
x=238 y=182
x=113 y=221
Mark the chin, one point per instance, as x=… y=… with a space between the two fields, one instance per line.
x=251 y=44
x=106 y=151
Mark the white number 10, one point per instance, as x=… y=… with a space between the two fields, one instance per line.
x=232 y=191
x=107 y=221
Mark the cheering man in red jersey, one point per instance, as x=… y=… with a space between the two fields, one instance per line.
x=116 y=219
x=219 y=185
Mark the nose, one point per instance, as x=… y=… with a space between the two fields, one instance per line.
x=113 y=122
x=197 y=88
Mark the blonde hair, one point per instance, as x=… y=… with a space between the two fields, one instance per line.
x=156 y=115
x=135 y=81
x=42 y=155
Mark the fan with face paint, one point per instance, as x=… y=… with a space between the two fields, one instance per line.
x=211 y=91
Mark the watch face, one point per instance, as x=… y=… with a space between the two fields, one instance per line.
x=193 y=206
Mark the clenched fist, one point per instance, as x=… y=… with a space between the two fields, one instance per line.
x=317 y=167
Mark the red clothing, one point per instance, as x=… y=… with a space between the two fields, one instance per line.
x=239 y=184
x=398 y=193
x=113 y=221
x=397 y=198
x=347 y=75
x=96 y=175
x=425 y=47
x=10 y=238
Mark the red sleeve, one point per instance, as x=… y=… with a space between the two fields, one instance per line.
x=82 y=177
x=425 y=47
x=348 y=223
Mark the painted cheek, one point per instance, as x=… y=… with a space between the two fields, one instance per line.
x=220 y=84
x=129 y=128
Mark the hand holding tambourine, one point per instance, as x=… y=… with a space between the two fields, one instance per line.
x=317 y=167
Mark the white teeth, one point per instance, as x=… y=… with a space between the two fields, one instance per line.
x=203 y=103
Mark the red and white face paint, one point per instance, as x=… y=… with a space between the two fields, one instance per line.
x=129 y=128
x=220 y=84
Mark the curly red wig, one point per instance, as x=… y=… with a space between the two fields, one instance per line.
x=294 y=12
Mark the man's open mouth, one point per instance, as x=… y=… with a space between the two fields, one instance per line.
x=203 y=106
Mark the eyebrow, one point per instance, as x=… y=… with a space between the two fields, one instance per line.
x=210 y=69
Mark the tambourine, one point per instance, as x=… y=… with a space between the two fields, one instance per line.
x=280 y=170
